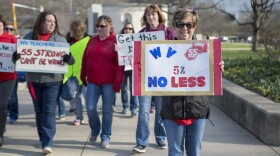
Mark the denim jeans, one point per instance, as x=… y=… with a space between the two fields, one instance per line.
x=159 y=129
x=124 y=92
x=45 y=96
x=60 y=103
x=93 y=93
x=178 y=135
x=61 y=106
x=77 y=101
x=13 y=104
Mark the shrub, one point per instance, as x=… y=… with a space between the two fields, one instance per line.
x=259 y=75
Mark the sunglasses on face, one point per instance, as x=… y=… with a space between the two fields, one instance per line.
x=9 y=29
x=189 y=25
x=100 y=26
x=127 y=28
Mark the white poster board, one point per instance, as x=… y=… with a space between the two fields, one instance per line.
x=6 y=53
x=125 y=43
x=42 y=56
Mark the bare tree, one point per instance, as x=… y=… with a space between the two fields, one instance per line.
x=261 y=9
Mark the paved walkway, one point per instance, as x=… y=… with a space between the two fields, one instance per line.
x=226 y=138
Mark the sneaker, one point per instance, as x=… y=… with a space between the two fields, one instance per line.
x=105 y=144
x=77 y=122
x=114 y=109
x=139 y=149
x=125 y=111
x=92 y=140
x=162 y=145
x=133 y=113
x=47 y=150
x=62 y=117
x=152 y=109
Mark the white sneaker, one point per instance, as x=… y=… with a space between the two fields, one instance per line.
x=47 y=150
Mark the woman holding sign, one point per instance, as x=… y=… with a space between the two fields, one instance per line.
x=128 y=29
x=153 y=20
x=45 y=87
x=7 y=79
x=184 y=116
x=102 y=75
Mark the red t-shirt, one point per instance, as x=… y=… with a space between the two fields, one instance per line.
x=7 y=38
x=184 y=122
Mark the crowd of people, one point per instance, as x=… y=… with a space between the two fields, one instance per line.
x=95 y=65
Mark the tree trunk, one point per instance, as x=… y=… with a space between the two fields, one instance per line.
x=255 y=40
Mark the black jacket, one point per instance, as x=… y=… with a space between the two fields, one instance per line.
x=185 y=107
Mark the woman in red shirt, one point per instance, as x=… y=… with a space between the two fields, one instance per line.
x=103 y=76
x=7 y=82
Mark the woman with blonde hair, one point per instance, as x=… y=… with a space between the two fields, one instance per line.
x=103 y=76
x=152 y=20
x=77 y=33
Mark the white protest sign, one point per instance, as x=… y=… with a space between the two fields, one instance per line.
x=125 y=42
x=6 y=53
x=177 y=68
x=42 y=56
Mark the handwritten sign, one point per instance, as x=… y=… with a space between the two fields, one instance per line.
x=177 y=68
x=6 y=53
x=42 y=56
x=125 y=42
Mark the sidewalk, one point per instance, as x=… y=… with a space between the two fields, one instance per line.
x=226 y=138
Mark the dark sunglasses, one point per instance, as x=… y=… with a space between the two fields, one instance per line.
x=127 y=28
x=10 y=29
x=189 y=25
x=100 y=26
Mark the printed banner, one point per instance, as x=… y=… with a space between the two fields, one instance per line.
x=125 y=42
x=42 y=56
x=6 y=53
x=177 y=68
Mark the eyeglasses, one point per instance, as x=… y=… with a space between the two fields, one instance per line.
x=100 y=26
x=127 y=28
x=9 y=29
x=189 y=25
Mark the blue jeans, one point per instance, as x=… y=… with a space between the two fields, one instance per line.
x=159 y=129
x=178 y=135
x=143 y=130
x=77 y=101
x=13 y=104
x=124 y=92
x=93 y=93
x=60 y=103
x=45 y=96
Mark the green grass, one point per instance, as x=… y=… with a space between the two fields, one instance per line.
x=226 y=45
x=232 y=54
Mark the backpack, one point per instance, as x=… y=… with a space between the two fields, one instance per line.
x=70 y=89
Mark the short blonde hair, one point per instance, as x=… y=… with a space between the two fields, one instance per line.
x=107 y=20
x=182 y=13
x=78 y=29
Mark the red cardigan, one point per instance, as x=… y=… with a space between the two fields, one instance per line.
x=100 y=63
x=7 y=38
